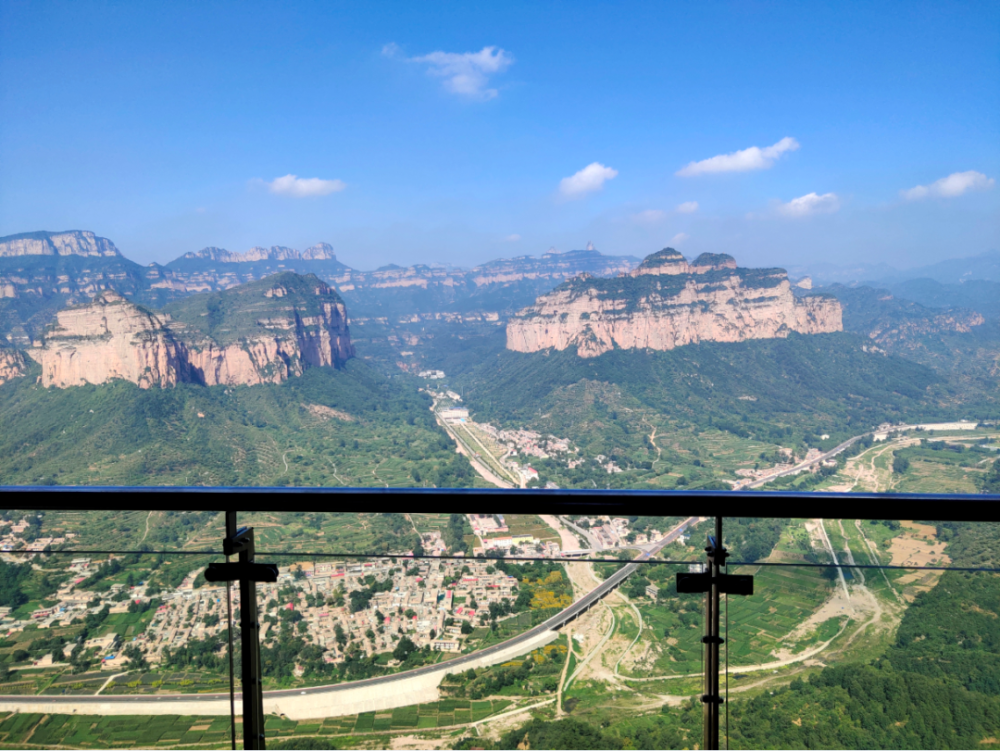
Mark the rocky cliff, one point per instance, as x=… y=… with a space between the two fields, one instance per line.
x=70 y=243
x=668 y=302
x=265 y=332
x=42 y=272
x=11 y=364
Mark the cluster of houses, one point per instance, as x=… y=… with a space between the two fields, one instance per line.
x=428 y=602
x=12 y=539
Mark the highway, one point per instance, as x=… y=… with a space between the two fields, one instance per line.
x=453 y=665
x=805 y=465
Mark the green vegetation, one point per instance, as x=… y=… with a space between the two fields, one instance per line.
x=690 y=417
x=535 y=674
x=349 y=427
x=234 y=314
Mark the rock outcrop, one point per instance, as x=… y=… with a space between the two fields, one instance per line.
x=11 y=364
x=70 y=243
x=266 y=332
x=668 y=302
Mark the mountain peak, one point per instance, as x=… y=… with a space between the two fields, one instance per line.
x=68 y=243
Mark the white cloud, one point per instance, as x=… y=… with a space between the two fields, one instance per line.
x=590 y=178
x=688 y=207
x=810 y=204
x=649 y=216
x=512 y=238
x=679 y=238
x=304 y=187
x=753 y=158
x=955 y=184
x=465 y=73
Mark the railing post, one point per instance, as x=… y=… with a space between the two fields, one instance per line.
x=713 y=583
x=253 y=690
x=716 y=557
x=248 y=573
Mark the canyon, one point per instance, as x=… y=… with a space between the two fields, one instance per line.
x=668 y=302
x=265 y=332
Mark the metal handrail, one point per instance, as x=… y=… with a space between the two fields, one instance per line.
x=728 y=503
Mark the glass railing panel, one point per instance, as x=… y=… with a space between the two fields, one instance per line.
x=86 y=616
x=449 y=617
x=494 y=600
x=884 y=650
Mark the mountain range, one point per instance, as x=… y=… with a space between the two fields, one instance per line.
x=40 y=272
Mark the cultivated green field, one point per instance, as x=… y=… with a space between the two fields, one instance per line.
x=18 y=730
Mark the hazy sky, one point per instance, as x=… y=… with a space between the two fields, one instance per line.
x=460 y=132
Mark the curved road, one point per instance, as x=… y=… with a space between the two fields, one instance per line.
x=555 y=622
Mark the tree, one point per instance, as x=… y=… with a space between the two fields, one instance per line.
x=467 y=628
x=404 y=649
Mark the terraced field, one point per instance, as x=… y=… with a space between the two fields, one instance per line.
x=167 y=731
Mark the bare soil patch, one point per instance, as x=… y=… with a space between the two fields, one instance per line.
x=325 y=413
x=918 y=546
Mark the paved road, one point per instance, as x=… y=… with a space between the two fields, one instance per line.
x=585 y=533
x=454 y=665
x=805 y=465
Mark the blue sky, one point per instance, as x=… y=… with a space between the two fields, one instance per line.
x=461 y=132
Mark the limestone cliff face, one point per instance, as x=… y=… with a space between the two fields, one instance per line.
x=270 y=332
x=72 y=243
x=11 y=364
x=667 y=302
x=106 y=339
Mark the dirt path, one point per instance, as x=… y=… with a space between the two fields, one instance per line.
x=628 y=649
x=874 y=557
x=379 y=479
x=108 y=682
x=850 y=556
x=652 y=440
x=340 y=479
x=820 y=530
x=598 y=649
x=146 y=534
x=562 y=679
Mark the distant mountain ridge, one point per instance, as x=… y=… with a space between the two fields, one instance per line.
x=984 y=266
x=42 y=272
x=319 y=252
x=68 y=243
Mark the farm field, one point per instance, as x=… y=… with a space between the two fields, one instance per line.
x=530 y=524
x=758 y=626
x=168 y=731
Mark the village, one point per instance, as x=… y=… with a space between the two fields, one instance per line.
x=342 y=607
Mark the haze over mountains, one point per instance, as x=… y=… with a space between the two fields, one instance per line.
x=41 y=272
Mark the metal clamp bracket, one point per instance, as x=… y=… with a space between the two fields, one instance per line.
x=230 y=572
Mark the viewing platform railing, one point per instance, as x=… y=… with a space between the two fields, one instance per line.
x=714 y=582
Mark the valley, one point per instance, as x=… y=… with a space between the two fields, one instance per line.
x=279 y=367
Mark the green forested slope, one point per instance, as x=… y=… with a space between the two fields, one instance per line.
x=825 y=383
x=328 y=427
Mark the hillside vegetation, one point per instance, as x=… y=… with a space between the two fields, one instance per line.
x=765 y=389
x=329 y=427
